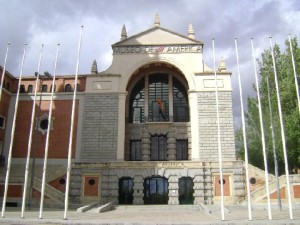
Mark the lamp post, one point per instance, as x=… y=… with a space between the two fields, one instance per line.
x=41 y=77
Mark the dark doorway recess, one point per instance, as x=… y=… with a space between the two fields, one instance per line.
x=125 y=190
x=156 y=190
x=186 y=191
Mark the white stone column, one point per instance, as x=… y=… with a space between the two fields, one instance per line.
x=194 y=125
x=121 y=126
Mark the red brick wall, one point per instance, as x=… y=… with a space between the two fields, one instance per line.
x=14 y=190
x=282 y=194
x=226 y=185
x=59 y=136
x=296 y=191
x=58 y=185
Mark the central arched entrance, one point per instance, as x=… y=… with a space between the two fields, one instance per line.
x=156 y=190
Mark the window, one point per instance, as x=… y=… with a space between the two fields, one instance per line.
x=78 y=87
x=68 y=88
x=7 y=86
x=158 y=98
x=2 y=122
x=135 y=150
x=137 y=102
x=158 y=95
x=180 y=104
x=54 y=88
x=158 y=147
x=44 y=88
x=125 y=190
x=182 y=150
x=30 y=88
x=22 y=88
x=42 y=123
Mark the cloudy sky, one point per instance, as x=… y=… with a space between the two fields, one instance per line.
x=39 y=22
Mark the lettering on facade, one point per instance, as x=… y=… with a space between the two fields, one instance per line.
x=172 y=164
x=169 y=49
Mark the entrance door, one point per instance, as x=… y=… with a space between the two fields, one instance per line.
x=125 y=190
x=186 y=191
x=156 y=190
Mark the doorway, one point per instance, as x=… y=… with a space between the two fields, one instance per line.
x=156 y=190
x=125 y=190
x=186 y=191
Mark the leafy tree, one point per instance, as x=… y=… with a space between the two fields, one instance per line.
x=289 y=103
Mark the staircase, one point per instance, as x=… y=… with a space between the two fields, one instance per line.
x=141 y=208
x=50 y=192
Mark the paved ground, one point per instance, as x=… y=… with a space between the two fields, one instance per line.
x=144 y=215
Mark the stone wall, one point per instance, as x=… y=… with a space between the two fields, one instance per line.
x=208 y=130
x=100 y=128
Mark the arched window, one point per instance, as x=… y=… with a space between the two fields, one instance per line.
x=158 y=98
x=160 y=90
x=137 y=102
x=68 y=88
x=44 y=88
x=78 y=87
x=54 y=88
x=22 y=88
x=180 y=102
x=30 y=88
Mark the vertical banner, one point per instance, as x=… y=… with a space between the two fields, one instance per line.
x=244 y=132
x=219 y=133
x=30 y=135
x=47 y=137
x=287 y=174
x=71 y=130
x=12 y=136
x=263 y=141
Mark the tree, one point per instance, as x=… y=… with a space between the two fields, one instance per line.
x=289 y=103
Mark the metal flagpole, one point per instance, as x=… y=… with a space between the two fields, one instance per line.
x=295 y=73
x=219 y=132
x=244 y=133
x=30 y=135
x=12 y=136
x=274 y=146
x=263 y=141
x=47 y=137
x=287 y=174
x=3 y=72
x=71 y=131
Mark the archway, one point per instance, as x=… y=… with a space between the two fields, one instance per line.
x=156 y=190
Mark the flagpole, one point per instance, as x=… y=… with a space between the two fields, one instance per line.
x=47 y=137
x=263 y=141
x=287 y=174
x=295 y=73
x=4 y=68
x=12 y=136
x=244 y=133
x=71 y=130
x=30 y=134
x=274 y=146
x=219 y=133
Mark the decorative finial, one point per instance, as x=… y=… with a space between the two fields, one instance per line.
x=191 y=31
x=94 y=67
x=157 y=21
x=222 y=65
x=123 y=33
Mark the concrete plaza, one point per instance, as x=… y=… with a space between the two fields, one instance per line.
x=152 y=215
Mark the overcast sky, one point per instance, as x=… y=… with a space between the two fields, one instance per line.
x=39 y=22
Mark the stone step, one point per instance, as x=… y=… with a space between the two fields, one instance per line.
x=157 y=207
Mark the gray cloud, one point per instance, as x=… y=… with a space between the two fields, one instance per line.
x=51 y=22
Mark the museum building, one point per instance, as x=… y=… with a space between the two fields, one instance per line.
x=145 y=129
